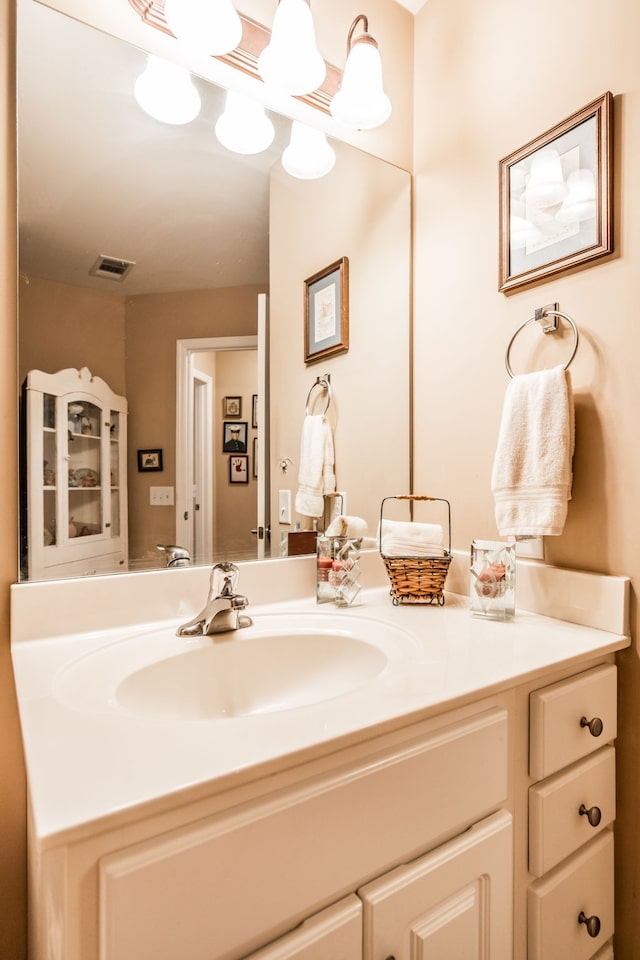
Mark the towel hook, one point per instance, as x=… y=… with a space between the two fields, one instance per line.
x=541 y=316
x=325 y=383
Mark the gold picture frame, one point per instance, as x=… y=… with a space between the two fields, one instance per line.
x=326 y=312
x=556 y=198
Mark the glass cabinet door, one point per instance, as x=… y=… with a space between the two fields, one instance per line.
x=49 y=469
x=84 y=480
x=114 y=456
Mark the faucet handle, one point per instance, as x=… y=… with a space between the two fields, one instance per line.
x=224 y=578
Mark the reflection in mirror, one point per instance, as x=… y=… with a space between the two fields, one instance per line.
x=210 y=233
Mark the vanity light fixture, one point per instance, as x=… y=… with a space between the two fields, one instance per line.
x=290 y=61
x=361 y=101
x=244 y=126
x=211 y=27
x=309 y=156
x=165 y=91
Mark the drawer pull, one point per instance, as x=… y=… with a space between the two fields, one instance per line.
x=591 y=923
x=593 y=814
x=596 y=726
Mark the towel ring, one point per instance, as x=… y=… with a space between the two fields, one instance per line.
x=325 y=384
x=539 y=315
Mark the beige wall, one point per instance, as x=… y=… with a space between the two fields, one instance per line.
x=490 y=77
x=154 y=323
x=12 y=786
x=65 y=326
x=361 y=211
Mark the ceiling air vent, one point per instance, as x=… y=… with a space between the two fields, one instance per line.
x=111 y=268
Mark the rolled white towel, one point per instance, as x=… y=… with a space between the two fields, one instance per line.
x=345 y=526
x=411 y=539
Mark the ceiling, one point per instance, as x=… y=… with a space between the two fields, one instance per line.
x=97 y=176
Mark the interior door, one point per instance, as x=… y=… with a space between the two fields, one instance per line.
x=263 y=525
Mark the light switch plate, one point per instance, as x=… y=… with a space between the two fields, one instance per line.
x=161 y=496
x=284 y=506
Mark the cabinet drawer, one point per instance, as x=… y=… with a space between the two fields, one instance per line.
x=559 y=717
x=580 y=886
x=556 y=827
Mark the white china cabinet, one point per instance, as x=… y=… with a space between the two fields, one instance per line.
x=75 y=501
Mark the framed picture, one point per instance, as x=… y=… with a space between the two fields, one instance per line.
x=149 y=460
x=232 y=406
x=254 y=411
x=239 y=469
x=255 y=457
x=556 y=198
x=234 y=437
x=326 y=312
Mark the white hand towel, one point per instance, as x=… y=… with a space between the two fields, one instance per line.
x=410 y=539
x=316 y=476
x=531 y=479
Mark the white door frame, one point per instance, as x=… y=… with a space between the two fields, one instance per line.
x=185 y=349
x=202 y=453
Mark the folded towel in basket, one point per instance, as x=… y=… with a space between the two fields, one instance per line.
x=410 y=539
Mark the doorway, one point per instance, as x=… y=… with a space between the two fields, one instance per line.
x=215 y=517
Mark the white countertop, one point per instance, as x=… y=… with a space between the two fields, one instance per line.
x=99 y=763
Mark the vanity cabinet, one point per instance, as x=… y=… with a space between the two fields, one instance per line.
x=218 y=888
x=571 y=814
x=410 y=843
x=74 y=501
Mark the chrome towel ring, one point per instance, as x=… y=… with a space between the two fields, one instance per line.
x=548 y=326
x=324 y=383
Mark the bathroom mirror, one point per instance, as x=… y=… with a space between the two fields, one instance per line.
x=209 y=231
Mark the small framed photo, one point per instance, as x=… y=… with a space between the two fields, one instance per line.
x=254 y=411
x=232 y=406
x=234 y=437
x=326 y=312
x=556 y=198
x=239 y=469
x=149 y=460
x=255 y=457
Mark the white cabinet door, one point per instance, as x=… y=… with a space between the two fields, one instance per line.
x=454 y=903
x=334 y=934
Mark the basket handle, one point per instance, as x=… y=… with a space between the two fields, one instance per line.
x=414 y=496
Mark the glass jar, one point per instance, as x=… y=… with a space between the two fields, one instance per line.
x=492 y=587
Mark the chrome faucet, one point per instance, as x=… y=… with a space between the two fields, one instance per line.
x=176 y=556
x=222 y=609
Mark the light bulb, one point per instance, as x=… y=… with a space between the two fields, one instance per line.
x=244 y=126
x=290 y=61
x=166 y=93
x=212 y=27
x=361 y=101
x=309 y=156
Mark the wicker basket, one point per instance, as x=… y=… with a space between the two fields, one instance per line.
x=417 y=579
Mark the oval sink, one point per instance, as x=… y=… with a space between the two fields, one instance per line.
x=236 y=676
x=282 y=662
